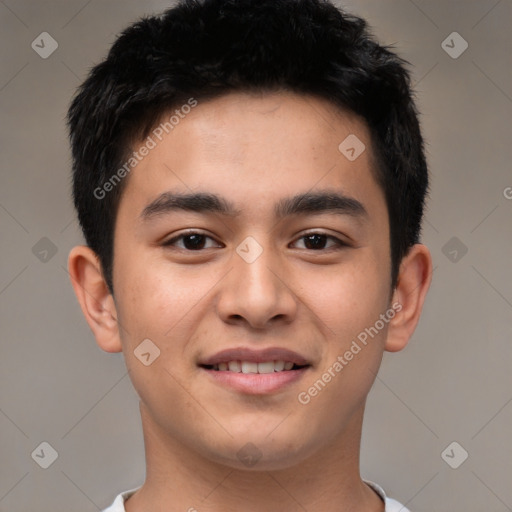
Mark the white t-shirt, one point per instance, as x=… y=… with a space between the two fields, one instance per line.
x=391 y=505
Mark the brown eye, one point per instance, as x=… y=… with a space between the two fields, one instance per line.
x=318 y=241
x=315 y=241
x=191 y=241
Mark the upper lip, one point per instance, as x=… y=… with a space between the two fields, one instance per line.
x=255 y=356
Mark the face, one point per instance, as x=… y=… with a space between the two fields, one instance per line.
x=247 y=240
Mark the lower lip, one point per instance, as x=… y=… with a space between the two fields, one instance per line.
x=256 y=383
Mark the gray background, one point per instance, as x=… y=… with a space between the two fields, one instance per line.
x=452 y=383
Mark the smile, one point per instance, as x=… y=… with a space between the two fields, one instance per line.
x=253 y=367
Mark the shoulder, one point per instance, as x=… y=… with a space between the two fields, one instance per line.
x=391 y=504
x=118 y=504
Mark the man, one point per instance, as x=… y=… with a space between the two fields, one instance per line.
x=250 y=179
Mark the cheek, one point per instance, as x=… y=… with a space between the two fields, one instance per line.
x=350 y=301
x=163 y=302
x=350 y=297
x=353 y=354
x=155 y=304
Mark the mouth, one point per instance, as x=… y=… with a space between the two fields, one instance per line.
x=255 y=372
x=248 y=367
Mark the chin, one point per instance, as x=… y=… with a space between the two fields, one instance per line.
x=263 y=452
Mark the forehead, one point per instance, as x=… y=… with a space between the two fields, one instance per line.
x=257 y=149
x=268 y=124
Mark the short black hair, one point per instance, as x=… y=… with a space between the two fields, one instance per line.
x=203 y=49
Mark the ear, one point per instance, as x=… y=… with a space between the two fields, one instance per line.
x=94 y=297
x=414 y=279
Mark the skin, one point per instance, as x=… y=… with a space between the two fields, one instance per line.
x=253 y=150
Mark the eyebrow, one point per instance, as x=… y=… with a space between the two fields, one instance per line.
x=313 y=203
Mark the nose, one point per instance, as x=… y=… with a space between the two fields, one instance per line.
x=257 y=292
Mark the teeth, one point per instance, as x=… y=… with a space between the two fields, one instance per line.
x=266 y=367
x=248 y=367
x=251 y=367
x=234 y=366
x=278 y=366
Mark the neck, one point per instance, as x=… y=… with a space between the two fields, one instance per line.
x=179 y=479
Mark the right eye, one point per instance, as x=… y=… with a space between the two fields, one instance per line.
x=191 y=241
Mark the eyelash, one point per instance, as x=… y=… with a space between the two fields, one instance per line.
x=338 y=243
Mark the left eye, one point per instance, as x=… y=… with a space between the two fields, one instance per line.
x=317 y=241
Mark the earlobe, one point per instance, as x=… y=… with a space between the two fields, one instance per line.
x=413 y=283
x=94 y=297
